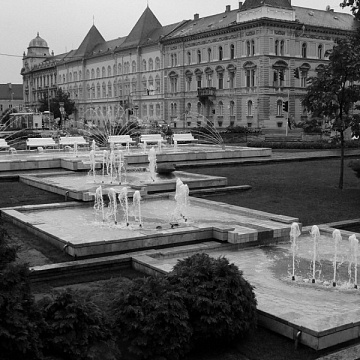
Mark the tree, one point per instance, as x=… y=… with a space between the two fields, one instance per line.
x=60 y=97
x=335 y=90
x=354 y=7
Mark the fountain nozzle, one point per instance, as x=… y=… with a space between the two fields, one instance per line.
x=313 y=281
x=334 y=283
x=293 y=278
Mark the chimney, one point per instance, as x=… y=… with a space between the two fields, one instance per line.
x=196 y=16
x=240 y=4
x=228 y=8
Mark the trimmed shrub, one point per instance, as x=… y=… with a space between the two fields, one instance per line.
x=75 y=327
x=355 y=166
x=221 y=303
x=20 y=321
x=151 y=320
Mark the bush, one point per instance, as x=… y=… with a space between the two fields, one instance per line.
x=355 y=166
x=75 y=327
x=151 y=320
x=221 y=303
x=20 y=321
x=302 y=144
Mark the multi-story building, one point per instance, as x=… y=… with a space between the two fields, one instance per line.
x=233 y=68
x=11 y=97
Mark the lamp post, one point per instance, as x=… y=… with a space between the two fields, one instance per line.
x=62 y=112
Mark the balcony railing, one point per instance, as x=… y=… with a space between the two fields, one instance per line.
x=206 y=91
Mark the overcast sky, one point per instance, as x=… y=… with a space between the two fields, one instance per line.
x=65 y=23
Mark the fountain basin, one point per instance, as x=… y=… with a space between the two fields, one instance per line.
x=88 y=235
x=81 y=186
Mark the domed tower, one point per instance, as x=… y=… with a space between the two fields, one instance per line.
x=37 y=52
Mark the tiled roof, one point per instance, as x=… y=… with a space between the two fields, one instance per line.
x=91 y=40
x=204 y=24
x=146 y=24
x=251 y=4
x=310 y=17
x=323 y=18
x=7 y=89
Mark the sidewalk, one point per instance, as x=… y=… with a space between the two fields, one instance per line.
x=277 y=156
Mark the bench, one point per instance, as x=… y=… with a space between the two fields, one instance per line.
x=40 y=143
x=72 y=140
x=187 y=137
x=152 y=139
x=283 y=138
x=4 y=144
x=121 y=139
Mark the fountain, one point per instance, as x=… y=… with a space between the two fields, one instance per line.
x=337 y=238
x=137 y=207
x=182 y=203
x=294 y=234
x=124 y=203
x=353 y=257
x=152 y=163
x=112 y=207
x=315 y=234
x=99 y=203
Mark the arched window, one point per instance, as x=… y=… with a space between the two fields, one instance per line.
x=157 y=63
x=304 y=50
x=250 y=108
x=133 y=66
x=188 y=79
x=144 y=65
x=252 y=47
x=276 y=47
x=232 y=105
x=157 y=83
x=157 y=109
x=109 y=89
x=103 y=72
x=220 y=52
x=279 y=108
x=144 y=84
x=320 y=51
x=209 y=54
x=232 y=51
x=114 y=70
x=98 y=95
x=188 y=54
x=199 y=108
x=151 y=64
x=103 y=90
x=88 y=93
x=109 y=71
x=70 y=77
x=119 y=69
x=80 y=75
x=248 y=48
x=221 y=108
x=199 y=56
x=97 y=73
x=115 y=88
x=282 y=47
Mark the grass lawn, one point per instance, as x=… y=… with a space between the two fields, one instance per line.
x=307 y=190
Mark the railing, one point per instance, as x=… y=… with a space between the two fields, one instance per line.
x=206 y=91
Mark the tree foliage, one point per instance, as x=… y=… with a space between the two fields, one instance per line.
x=73 y=325
x=221 y=303
x=335 y=90
x=20 y=321
x=61 y=96
x=151 y=320
x=354 y=7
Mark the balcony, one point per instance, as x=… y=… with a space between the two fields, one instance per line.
x=206 y=94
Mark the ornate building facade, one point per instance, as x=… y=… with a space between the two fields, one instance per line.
x=233 y=68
